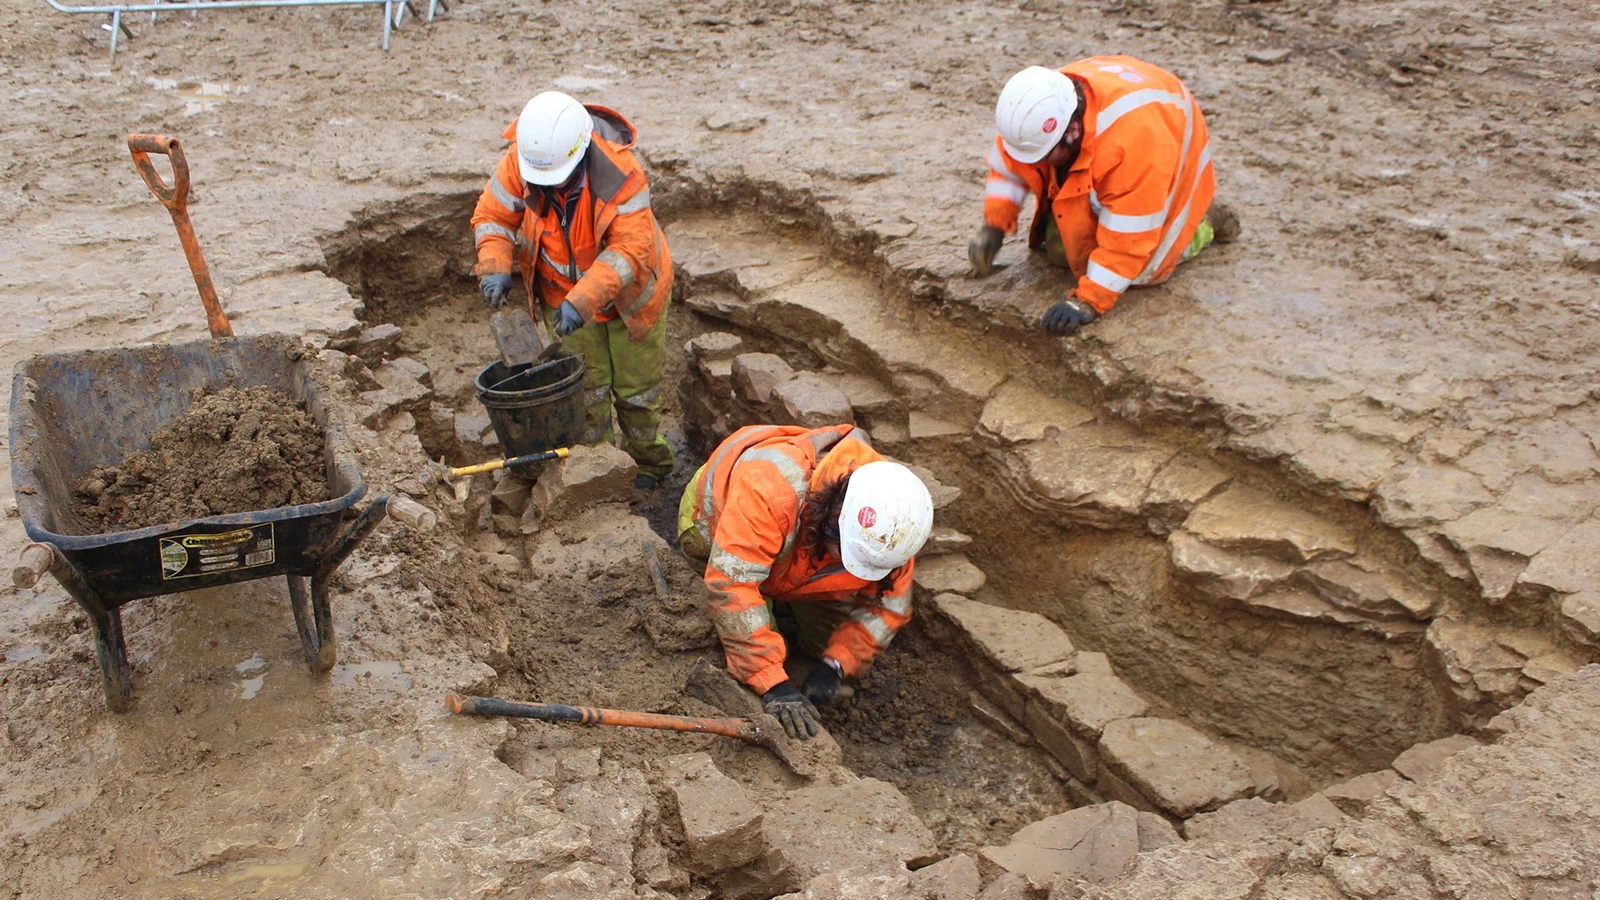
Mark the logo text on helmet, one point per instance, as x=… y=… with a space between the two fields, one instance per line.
x=1050 y=125
x=868 y=517
x=539 y=162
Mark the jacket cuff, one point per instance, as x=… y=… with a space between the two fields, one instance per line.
x=848 y=664
x=768 y=678
x=1096 y=296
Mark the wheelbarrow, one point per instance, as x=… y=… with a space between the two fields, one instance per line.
x=71 y=412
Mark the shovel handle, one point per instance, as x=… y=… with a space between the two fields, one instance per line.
x=451 y=473
x=176 y=199
x=743 y=729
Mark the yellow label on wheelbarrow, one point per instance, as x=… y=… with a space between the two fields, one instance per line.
x=193 y=555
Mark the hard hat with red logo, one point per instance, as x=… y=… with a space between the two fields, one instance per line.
x=1034 y=109
x=553 y=133
x=886 y=518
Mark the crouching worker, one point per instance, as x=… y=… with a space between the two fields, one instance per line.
x=817 y=519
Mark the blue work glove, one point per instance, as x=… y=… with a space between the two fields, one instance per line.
x=1065 y=318
x=568 y=319
x=793 y=712
x=822 y=685
x=495 y=289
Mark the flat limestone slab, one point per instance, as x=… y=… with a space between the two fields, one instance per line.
x=1012 y=639
x=832 y=827
x=1179 y=769
x=1093 y=843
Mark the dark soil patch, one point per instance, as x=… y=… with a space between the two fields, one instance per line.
x=233 y=451
x=910 y=724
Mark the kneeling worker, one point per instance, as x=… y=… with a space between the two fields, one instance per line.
x=592 y=257
x=1115 y=154
x=817 y=519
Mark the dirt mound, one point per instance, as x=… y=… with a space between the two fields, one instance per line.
x=233 y=451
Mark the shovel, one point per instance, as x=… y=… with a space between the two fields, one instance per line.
x=761 y=734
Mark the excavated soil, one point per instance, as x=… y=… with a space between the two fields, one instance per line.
x=232 y=451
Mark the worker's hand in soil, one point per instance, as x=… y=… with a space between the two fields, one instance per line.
x=822 y=685
x=1065 y=318
x=495 y=289
x=568 y=319
x=981 y=250
x=797 y=716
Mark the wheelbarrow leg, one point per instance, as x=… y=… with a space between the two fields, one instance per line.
x=314 y=620
x=116 y=676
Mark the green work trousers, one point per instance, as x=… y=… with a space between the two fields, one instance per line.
x=629 y=375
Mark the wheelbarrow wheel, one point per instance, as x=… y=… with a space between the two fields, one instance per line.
x=314 y=620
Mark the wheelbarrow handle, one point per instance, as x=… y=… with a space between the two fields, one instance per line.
x=174 y=198
x=37 y=559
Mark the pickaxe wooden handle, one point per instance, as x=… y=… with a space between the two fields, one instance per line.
x=743 y=729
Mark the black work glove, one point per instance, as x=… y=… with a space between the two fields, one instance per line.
x=568 y=319
x=1064 y=318
x=798 y=717
x=495 y=289
x=981 y=250
x=822 y=685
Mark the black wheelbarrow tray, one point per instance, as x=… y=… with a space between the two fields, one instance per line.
x=71 y=412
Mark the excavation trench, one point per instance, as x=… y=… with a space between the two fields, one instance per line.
x=1303 y=702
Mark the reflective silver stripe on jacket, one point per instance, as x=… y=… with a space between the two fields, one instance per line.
x=708 y=501
x=739 y=571
x=1127 y=103
x=620 y=263
x=881 y=633
x=506 y=198
x=635 y=203
x=1005 y=189
x=997 y=166
x=1172 y=233
x=488 y=228
x=899 y=604
x=1122 y=224
x=570 y=271
x=742 y=623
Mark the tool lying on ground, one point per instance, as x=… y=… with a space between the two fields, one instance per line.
x=176 y=200
x=449 y=473
x=746 y=730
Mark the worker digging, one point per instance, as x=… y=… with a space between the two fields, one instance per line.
x=570 y=193
x=678 y=512
x=817 y=520
x=1115 y=154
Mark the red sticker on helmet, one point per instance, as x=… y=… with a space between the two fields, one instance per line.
x=868 y=517
x=1050 y=125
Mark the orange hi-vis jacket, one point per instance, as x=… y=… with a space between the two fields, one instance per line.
x=1139 y=188
x=749 y=499
x=614 y=256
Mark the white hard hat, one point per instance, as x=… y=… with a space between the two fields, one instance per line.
x=886 y=518
x=1034 y=109
x=553 y=132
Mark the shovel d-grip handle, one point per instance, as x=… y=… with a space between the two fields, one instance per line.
x=176 y=199
x=743 y=729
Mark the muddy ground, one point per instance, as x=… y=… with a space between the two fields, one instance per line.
x=1405 y=332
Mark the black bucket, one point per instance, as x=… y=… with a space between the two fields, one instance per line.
x=545 y=413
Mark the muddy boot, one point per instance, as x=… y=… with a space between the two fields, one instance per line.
x=1224 y=223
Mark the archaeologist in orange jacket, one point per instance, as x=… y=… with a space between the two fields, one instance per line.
x=592 y=258
x=817 y=519
x=1114 y=152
